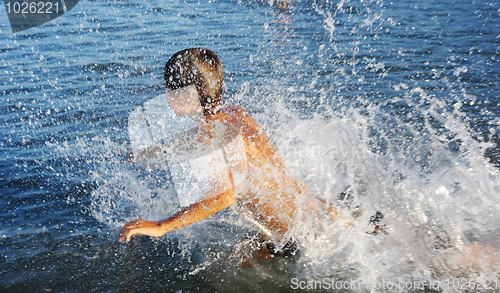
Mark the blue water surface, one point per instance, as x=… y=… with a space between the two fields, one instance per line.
x=399 y=70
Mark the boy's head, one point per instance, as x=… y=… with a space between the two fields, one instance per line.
x=199 y=67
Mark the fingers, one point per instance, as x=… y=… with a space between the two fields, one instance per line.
x=124 y=235
x=130 y=157
x=127 y=232
x=141 y=227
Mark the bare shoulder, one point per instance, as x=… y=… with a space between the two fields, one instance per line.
x=242 y=116
x=236 y=109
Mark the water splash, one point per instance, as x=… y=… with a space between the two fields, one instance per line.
x=428 y=177
x=394 y=131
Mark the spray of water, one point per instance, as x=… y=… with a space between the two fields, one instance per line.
x=409 y=163
x=435 y=188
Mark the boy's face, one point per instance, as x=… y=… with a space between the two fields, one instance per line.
x=185 y=101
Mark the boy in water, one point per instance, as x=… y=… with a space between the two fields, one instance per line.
x=270 y=193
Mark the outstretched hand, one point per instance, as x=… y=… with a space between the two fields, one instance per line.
x=128 y=155
x=139 y=227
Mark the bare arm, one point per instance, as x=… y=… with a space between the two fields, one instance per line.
x=193 y=213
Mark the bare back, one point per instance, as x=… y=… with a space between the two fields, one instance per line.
x=271 y=191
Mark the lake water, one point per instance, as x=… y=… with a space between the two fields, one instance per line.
x=396 y=101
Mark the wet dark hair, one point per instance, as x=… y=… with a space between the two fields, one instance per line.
x=200 y=67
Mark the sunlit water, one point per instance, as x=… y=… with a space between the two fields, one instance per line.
x=393 y=103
